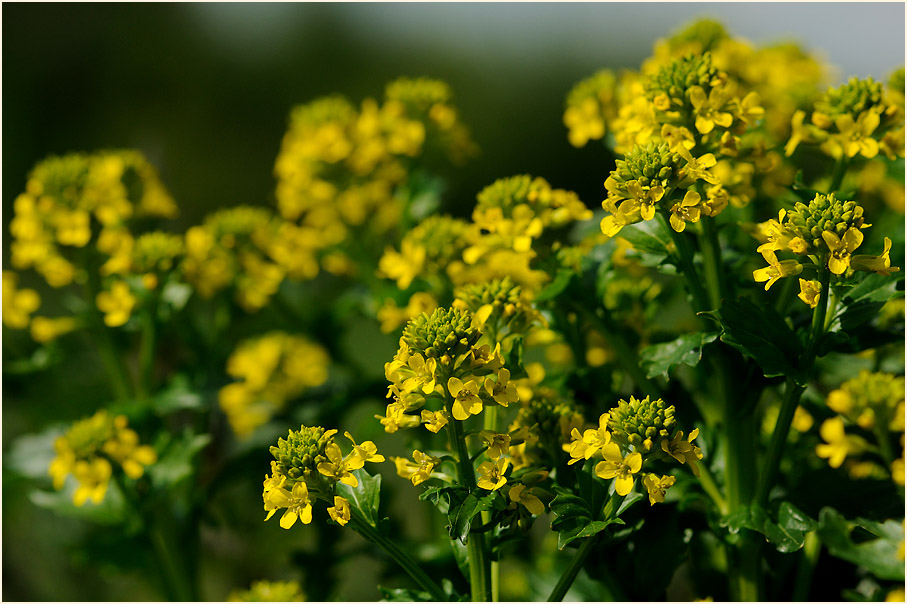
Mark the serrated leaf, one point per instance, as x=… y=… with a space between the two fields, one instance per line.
x=787 y=534
x=878 y=556
x=556 y=287
x=761 y=334
x=464 y=506
x=661 y=359
x=365 y=498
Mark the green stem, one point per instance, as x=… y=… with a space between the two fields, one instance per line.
x=569 y=575
x=113 y=362
x=811 y=549
x=837 y=176
x=792 y=393
x=881 y=433
x=626 y=354
x=490 y=420
x=361 y=526
x=711 y=489
x=711 y=257
x=685 y=255
x=146 y=349
x=479 y=568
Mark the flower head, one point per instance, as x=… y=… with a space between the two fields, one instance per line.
x=618 y=467
x=491 y=474
x=657 y=486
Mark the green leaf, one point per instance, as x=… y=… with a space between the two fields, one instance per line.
x=661 y=359
x=863 y=301
x=787 y=534
x=649 y=241
x=463 y=509
x=111 y=511
x=175 y=463
x=574 y=518
x=878 y=556
x=761 y=334
x=557 y=286
x=513 y=358
x=177 y=397
x=365 y=498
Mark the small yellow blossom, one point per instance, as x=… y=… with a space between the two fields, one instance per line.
x=116 y=304
x=340 y=512
x=491 y=474
x=396 y=417
x=435 y=420
x=856 y=136
x=466 y=398
x=708 y=109
x=776 y=269
x=503 y=391
x=878 y=264
x=520 y=493
x=339 y=467
x=841 y=248
x=810 y=292
x=417 y=472
x=367 y=451
x=620 y=468
x=657 y=487
x=684 y=451
x=838 y=444
x=18 y=304
x=687 y=210
x=296 y=502
x=498 y=444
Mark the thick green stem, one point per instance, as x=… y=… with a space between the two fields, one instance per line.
x=837 y=176
x=569 y=575
x=479 y=567
x=490 y=419
x=792 y=392
x=711 y=256
x=685 y=255
x=361 y=526
x=711 y=489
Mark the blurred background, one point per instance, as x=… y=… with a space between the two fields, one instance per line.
x=204 y=91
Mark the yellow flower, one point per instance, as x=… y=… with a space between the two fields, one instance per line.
x=117 y=304
x=297 y=503
x=646 y=198
x=18 y=304
x=776 y=269
x=657 y=487
x=424 y=374
x=491 y=474
x=435 y=420
x=841 y=248
x=798 y=132
x=687 y=210
x=810 y=292
x=879 y=264
x=708 y=110
x=498 y=444
x=749 y=108
x=584 y=122
x=596 y=440
x=338 y=467
x=618 y=467
x=839 y=444
x=684 y=451
x=503 y=391
x=340 y=513
x=367 y=451
x=698 y=169
x=93 y=477
x=417 y=472
x=679 y=139
x=405 y=265
x=466 y=398
x=856 y=136
x=396 y=417
x=520 y=493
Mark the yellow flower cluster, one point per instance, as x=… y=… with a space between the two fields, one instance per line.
x=590 y=107
x=545 y=421
x=18 y=304
x=827 y=231
x=873 y=402
x=510 y=219
x=856 y=118
x=74 y=199
x=272 y=369
x=630 y=436
x=307 y=466
x=239 y=247
x=89 y=450
x=440 y=362
x=269 y=591
x=499 y=309
x=432 y=251
x=341 y=171
x=392 y=316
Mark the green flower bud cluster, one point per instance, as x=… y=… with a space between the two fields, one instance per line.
x=241 y=220
x=896 y=80
x=87 y=436
x=682 y=74
x=299 y=454
x=505 y=193
x=600 y=86
x=707 y=32
x=443 y=238
x=156 y=251
x=851 y=98
x=447 y=332
x=550 y=418
x=824 y=213
x=420 y=93
x=322 y=111
x=508 y=307
x=870 y=399
x=64 y=178
x=642 y=423
x=651 y=165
